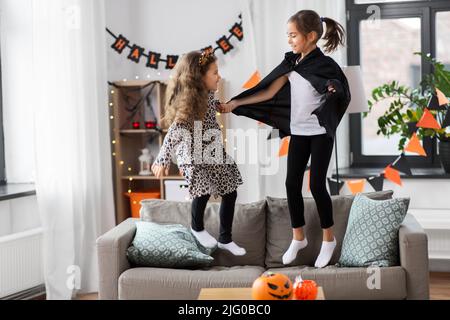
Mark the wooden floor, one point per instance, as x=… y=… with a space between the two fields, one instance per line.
x=439 y=287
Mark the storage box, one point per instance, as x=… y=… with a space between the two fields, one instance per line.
x=136 y=197
x=176 y=190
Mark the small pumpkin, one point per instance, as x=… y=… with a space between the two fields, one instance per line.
x=272 y=286
x=305 y=289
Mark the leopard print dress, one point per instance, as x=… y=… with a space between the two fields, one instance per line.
x=201 y=156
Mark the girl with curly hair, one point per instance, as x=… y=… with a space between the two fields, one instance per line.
x=196 y=136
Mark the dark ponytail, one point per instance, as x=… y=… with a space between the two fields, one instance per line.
x=334 y=36
x=308 y=20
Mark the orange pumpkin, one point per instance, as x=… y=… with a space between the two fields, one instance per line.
x=272 y=286
x=305 y=289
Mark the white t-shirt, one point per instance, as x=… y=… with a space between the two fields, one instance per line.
x=304 y=100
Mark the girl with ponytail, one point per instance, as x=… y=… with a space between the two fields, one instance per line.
x=304 y=97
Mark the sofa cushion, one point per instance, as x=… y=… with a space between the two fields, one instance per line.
x=179 y=284
x=279 y=230
x=249 y=227
x=166 y=245
x=353 y=283
x=371 y=238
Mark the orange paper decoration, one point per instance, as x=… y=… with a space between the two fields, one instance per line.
x=415 y=146
x=442 y=99
x=253 y=81
x=428 y=120
x=284 y=147
x=393 y=175
x=356 y=186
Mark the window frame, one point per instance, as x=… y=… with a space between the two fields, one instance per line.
x=426 y=11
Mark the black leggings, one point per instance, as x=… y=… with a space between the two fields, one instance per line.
x=226 y=214
x=320 y=148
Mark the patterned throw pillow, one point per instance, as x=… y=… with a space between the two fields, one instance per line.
x=166 y=245
x=371 y=238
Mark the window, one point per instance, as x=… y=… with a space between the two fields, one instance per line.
x=2 y=144
x=384 y=48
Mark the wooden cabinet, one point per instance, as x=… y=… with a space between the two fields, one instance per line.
x=137 y=101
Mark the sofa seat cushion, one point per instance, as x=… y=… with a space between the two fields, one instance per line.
x=173 y=284
x=279 y=229
x=249 y=227
x=352 y=283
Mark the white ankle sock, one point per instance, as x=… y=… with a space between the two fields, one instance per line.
x=294 y=248
x=233 y=248
x=326 y=252
x=206 y=240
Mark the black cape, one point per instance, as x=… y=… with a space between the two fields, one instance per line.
x=321 y=71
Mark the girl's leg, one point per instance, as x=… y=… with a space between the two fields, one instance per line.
x=298 y=155
x=226 y=216
x=226 y=223
x=197 y=227
x=198 y=211
x=321 y=150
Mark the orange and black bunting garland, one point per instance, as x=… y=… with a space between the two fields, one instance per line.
x=154 y=58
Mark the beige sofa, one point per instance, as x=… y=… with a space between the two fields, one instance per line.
x=263 y=228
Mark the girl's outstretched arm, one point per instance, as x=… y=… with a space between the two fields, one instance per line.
x=263 y=95
x=162 y=162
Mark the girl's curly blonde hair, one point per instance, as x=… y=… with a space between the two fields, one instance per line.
x=186 y=94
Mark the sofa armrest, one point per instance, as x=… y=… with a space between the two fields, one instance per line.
x=112 y=259
x=413 y=245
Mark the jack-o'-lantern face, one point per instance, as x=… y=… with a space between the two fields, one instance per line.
x=272 y=286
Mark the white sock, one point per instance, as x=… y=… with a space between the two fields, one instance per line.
x=233 y=248
x=206 y=240
x=326 y=251
x=294 y=248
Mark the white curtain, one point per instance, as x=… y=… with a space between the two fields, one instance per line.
x=269 y=19
x=72 y=144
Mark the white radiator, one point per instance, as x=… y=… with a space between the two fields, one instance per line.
x=21 y=261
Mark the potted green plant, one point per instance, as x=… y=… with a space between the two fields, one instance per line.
x=407 y=106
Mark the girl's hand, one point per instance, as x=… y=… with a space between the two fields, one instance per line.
x=228 y=107
x=159 y=171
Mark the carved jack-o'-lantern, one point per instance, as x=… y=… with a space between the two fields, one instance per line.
x=272 y=286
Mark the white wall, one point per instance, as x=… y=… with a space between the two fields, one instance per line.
x=17 y=215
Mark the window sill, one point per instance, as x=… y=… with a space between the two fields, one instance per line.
x=417 y=173
x=16 y=190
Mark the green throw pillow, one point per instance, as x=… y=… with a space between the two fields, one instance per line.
x=166 y=245
x=371 y=238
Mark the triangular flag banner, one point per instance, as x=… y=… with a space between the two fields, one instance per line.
x=401 y=164
x=275 y=133
x=393 y=175
x=428 y=121
x=334 y=186
x=284 y=147
x=441 y=97
x=253 y=81
x=376 y=182
x=433 y=103
x=412 y=127
x=415 y=146
x=446 y=121
x=356 y=186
